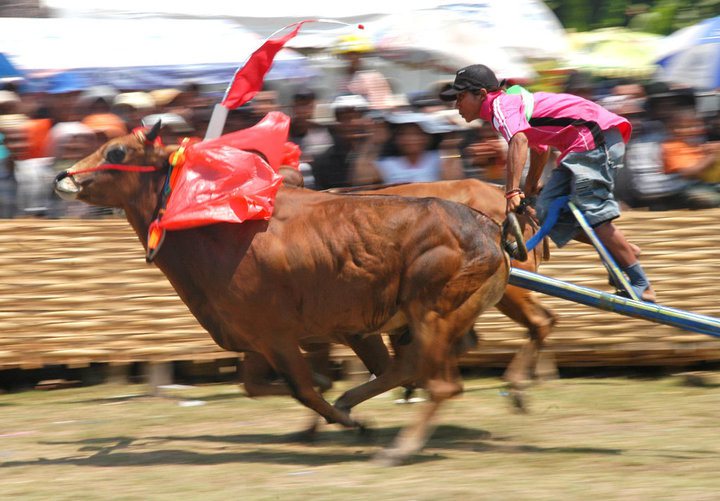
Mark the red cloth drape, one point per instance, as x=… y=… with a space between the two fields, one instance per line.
x=222 y=181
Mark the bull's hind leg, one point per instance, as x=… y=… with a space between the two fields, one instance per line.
x=286 y=359
x=399 y=371
x=435 y=336
x=373 y=353
x=433 y=344
x=522 y=307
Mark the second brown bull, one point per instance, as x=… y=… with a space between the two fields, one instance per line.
x=518 y=304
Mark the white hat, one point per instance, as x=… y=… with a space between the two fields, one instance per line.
x=430 y=124
x=172 y=121
x=350 y=101
x=138 y=100
x=8 y=96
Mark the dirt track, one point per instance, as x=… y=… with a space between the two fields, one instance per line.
x=610 y=439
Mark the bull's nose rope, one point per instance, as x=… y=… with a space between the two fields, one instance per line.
x=127 y=168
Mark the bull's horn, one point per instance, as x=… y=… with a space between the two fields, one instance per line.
x=153 y=134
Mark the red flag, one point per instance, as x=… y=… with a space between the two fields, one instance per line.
x=248 y=80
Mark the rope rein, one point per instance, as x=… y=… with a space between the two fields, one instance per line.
x=122 y=167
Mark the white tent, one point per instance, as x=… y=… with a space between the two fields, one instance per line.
x=527 y=26
x=134 y=53
x=223 y=8
x=504 y=34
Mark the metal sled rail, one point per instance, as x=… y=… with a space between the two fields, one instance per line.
x=611 y=302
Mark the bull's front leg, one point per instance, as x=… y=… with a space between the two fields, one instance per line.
x=258 y=374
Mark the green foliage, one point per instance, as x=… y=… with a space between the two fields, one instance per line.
x=653 y=16
x=613 y=13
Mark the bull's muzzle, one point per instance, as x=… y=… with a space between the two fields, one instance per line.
x=66 y=187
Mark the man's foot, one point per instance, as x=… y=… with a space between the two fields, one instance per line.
x=648 y=295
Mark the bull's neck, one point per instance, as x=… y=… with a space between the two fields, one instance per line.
x=141 y=211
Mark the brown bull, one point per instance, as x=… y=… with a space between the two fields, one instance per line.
x=324 y=266
x=519 y=304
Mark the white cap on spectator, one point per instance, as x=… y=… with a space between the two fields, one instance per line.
x=8 y=96
x=430 y=124
x=172 y=121
x=104 y=92
x=350 y=101
x=137 y=100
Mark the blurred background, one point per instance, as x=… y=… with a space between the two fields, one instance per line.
x=75 y=73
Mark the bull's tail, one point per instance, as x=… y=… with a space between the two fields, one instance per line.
x=516 y=247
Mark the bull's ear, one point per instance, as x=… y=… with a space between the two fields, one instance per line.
x=153 y=134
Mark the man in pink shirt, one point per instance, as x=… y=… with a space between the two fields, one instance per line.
x=591 y=142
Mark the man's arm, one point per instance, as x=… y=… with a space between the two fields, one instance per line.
x=517 y=155
x=538 y=160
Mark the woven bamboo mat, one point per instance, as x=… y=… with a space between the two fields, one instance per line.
x=78 y=291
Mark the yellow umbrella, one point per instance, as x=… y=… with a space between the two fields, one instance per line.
x=614 y=52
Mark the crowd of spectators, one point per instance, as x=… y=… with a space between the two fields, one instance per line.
x=362 y=134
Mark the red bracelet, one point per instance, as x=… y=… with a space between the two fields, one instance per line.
x=512 y=193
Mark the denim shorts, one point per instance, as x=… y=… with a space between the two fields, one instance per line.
x=588 y=177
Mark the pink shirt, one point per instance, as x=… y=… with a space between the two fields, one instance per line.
x=551 y=119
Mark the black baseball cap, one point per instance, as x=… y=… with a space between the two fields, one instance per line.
x=473 y=77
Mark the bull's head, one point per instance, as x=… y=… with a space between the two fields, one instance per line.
x=112 y=174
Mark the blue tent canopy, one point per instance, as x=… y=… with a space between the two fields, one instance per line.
x=7 y=69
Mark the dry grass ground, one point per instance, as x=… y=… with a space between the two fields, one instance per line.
x=609 y=439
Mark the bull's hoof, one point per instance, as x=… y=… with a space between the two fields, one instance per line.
x=323 y=383
x=518 y=400
x=306 y=436
x=389 y=457
x=365 y=433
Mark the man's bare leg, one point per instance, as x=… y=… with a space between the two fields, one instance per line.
x=626 y=256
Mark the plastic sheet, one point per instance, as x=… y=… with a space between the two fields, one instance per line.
x=226 y=180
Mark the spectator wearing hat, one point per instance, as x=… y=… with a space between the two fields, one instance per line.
x=173 y=128
x=420 y=148
x=591 y=142
x=95 y=108
x=312 y=137
x=96 y=100
x=333 y=167
x=69 y=142
x=9 y=102
x=370 y=84
x=164 y=98
x=190 y=103
x=132 y=107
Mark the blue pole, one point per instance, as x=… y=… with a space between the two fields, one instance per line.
x=617 y=304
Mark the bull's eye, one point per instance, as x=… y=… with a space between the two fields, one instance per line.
x=115 y=154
